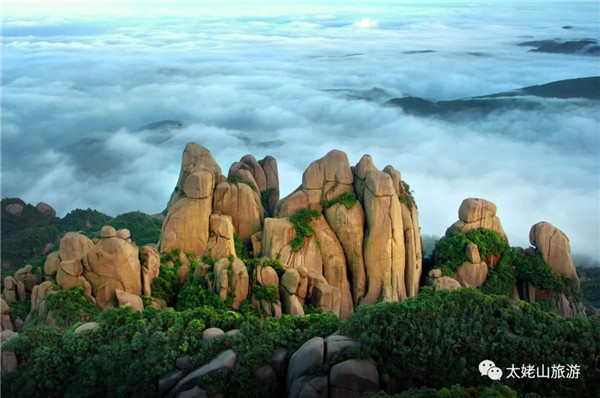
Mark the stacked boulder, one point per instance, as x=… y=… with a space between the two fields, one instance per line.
x=367 y=249
x=361 y=251
x=476 y=213
x=112 y=263
x=548 y=241
x=202 y=190
x=225 y=273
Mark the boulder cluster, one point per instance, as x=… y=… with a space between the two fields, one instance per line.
x=357 y=242
x=346 y=378
x=547 y=240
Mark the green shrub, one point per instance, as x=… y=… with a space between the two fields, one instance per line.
x=195 y=294
x=241 y=251
x=166 y=285
x=301 y=220
x=268 y=293
x=437 y=340
x=71 y=306
x=531 y=267
x=501 y=278
x=407 y=196
x=348 y=199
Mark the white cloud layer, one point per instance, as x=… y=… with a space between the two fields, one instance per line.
x=280 y=80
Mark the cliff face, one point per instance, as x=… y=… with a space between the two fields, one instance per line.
x=361 y=242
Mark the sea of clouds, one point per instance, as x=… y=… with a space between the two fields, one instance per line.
x=294 y=81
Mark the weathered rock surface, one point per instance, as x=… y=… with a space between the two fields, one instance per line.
x=212 y=333
x=384 y=241
x=445 y=283
x=336 y=344
x=470 y=274
x=51 y=264
x=46 y=209
x=14 y=209
x=220 y=244
x=5 y=323
x=150 y=262
x=353 y=377
x=554 y=246
x=127 y=299
x=73 y=246
x=242 y=204
x=86 y=327
x=476 y=213
x=186 y=226
x=10 y=290
x=309 y=387
x=224 y=361
x=309 y=356
x=112 y=264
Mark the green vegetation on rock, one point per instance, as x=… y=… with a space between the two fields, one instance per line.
x=301 y=220
x=71 y=306
x=348 y=199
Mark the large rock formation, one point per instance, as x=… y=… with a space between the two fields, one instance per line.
x=113 y=263
x=186 y=225
x=554 y=246
x=350 y=251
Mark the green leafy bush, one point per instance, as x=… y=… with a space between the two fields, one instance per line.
x=348 y=199
x=437 y=340
x=496 y=390
x=501 y=278
x=449 y=252
x=301 y=220
x=195 y=294
x=241 y=251
x=268 y=293
x=71 y=306
x=166 y=285
x=531 y=267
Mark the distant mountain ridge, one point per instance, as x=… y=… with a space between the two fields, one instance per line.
x=581 y=88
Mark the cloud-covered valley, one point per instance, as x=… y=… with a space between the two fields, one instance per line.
x=296 y=82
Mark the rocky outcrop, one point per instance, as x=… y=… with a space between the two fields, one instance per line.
x=5 y=323
x=223 y=361
x=554 y=246
x=384 y=242
x=350 y=377
x=353 y=377
x=27 y=277
x=476 y=213
x=14 y=209
x=73 y=246
x=46 y=209
x=51 y=265
x=264 y=277
x=186 y=226
x=10 y=290
x=70 y=275
x=112 y=264
x=472 y=274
